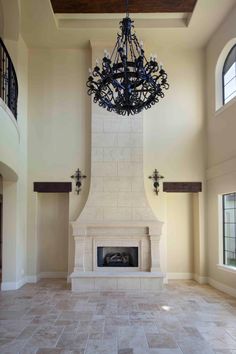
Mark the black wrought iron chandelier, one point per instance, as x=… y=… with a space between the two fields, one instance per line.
x=127 y=82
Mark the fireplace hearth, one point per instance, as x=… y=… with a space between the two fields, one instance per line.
x=117 y=256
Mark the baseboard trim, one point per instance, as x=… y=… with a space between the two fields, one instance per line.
x=200 y=279
x=10 y=285
x=222 y=287
x=31 y=279
x=44 y=275
x=187 y=276
x=21 y=282
x=5 y=286
x=52 y=275
x=179 y=276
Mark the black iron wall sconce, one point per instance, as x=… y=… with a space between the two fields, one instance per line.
x=156 y=177
x=78 y=176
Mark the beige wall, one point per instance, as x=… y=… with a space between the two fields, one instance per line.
x=22 y=72
x=180 y=233
x=13 y=155
x=221 y=152
x=10 y=19
x=10 y=234
x=174 y=143
x=9 y=132
x=52 y=232
x=55 y=141
x=59 y=138
x=1 y=20
x=59 y=130
x=9 y=129
x=58 y=142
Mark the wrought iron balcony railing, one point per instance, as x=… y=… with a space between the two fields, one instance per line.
x=8 y=80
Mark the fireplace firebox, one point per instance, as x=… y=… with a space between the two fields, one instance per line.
x=117 y=256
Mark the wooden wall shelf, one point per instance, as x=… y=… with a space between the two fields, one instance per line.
x=182 y=187
x=52 y=187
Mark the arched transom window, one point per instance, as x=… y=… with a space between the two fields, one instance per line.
x=229 y=76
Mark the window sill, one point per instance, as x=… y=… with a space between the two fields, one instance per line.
x=226 y=268
x=225 y=106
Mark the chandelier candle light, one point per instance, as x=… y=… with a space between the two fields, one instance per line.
x=127 y=82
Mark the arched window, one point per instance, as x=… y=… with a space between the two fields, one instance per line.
x=229 y=76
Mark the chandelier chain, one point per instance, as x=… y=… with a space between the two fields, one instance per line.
x=127 y=7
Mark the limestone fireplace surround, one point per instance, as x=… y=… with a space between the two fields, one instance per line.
x=88 y=276
x=117 y=213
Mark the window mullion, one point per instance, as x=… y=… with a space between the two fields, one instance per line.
x=229 y=62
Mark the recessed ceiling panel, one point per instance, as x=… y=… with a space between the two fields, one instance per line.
x=118 y=6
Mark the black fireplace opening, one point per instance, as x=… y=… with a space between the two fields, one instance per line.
x=117 y=256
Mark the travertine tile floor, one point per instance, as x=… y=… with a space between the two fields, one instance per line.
x=183 y=318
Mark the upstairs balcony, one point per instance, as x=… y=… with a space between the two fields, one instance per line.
x=9 y=130
x=8 y=80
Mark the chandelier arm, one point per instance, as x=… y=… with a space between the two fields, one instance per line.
x=149 y=69
x=133 y=57
x=100 y=75
x=112 y=93
x=110 y=90
x=115 y=47
x=103 y=101
x=148 y=91
x=124 y=61
x=117 y=57
x=126 y=46
x=117 y=84
x=137 y=45
x=134 y=39
x=91 y=82
x=104 y=94
x=114 y=82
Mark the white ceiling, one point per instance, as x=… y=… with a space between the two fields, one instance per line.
x=41 y=28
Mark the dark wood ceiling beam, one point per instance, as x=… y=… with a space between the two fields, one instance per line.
x=118 y=6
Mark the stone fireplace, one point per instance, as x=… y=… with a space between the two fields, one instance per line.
x=117 y=222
